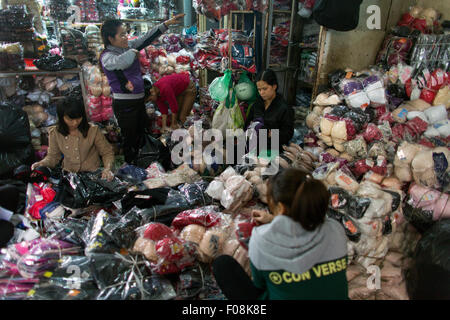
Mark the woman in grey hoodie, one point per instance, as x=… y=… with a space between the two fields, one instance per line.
x=297 y=252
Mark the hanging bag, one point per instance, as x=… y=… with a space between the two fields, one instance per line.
x=218 y=89
x=339 y=15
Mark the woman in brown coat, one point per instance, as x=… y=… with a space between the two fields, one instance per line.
x=82 y=144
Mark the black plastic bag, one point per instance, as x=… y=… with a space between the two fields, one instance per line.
x=55 y=292
x=79 y=190
x=340 y=111
x=440 y=167
x=422 y=220
x=429 y=276
x=51 y=62
x=153 y=150
x=335 y=78
x=15 y=138
x=96 y=239
x=122 y=229
x=144 y=198
x=190 y=282
x=340 y=15
x=339 y=198
x=175 y=203
x=195 y=193
x=117 y=277
x=357 y=206
x=396 y=199
x=69 y=229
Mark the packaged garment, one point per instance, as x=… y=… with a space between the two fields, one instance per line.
x=346 y=180
x=77 y=190
x=429 y=200
x=357 y=147
x=208 y=216
x=175 y=203
x=128 y=278
x=195 y=193
x=144 y=199
x=32 y=258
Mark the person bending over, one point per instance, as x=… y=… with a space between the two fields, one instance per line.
x=177 y=92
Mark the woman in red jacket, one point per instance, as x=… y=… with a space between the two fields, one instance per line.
x=177 y=92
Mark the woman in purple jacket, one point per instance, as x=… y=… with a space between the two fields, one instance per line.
x=120 y=63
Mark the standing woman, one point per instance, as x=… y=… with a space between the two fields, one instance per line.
x=272 y=109
x=120 y=63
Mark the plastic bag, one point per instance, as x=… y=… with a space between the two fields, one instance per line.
x=206 y=216
x=228 y=116
x=218 y=89
x=78 y=190
x=245 y=89
x=152 y=150
x=15 y=138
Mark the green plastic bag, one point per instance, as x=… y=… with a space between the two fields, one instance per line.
x=218 y=89
x=245 y=89
x=228 y=115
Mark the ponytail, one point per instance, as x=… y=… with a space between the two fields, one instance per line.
x=305 y=198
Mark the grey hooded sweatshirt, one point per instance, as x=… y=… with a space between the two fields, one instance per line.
x=292 y=263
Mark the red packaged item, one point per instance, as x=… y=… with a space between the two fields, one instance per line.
x=380 y=110
x=428 y=95
x=205 y=216
x=170 y=249
x=406 y=20
x=157 y=231
x=420 y=24
x=416 y=126
x=243 y=233
x=372 y=133
x=326 y=157
x=360 y=167
x=386 y=117
x=351 y=130
x=398 y=132
x=183 y=60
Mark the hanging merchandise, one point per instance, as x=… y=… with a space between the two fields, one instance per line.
x=50 y=62
x=245 y=89
x=88 y=10
x=228 y=116
x=74 y=45
x=219 y=87
x=339 y=16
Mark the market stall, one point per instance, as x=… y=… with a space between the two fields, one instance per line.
x=378 y=137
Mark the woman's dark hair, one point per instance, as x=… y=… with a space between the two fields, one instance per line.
x=268 y=76
x=73 y=107
x=109 y=29
x=306 y=199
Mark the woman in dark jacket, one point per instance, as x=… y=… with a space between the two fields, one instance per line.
x=271 y=109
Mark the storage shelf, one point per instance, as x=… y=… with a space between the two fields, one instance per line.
x=7 y=74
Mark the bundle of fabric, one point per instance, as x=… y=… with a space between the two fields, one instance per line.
x=232 y=189
x=157 y=177
x=74 y=45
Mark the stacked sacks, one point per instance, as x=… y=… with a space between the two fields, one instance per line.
x=99 y=100
x=94 y=40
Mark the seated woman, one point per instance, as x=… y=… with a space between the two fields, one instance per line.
x=297 y=254
x=176 y=91
x=81 y=143
x=271 y=109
